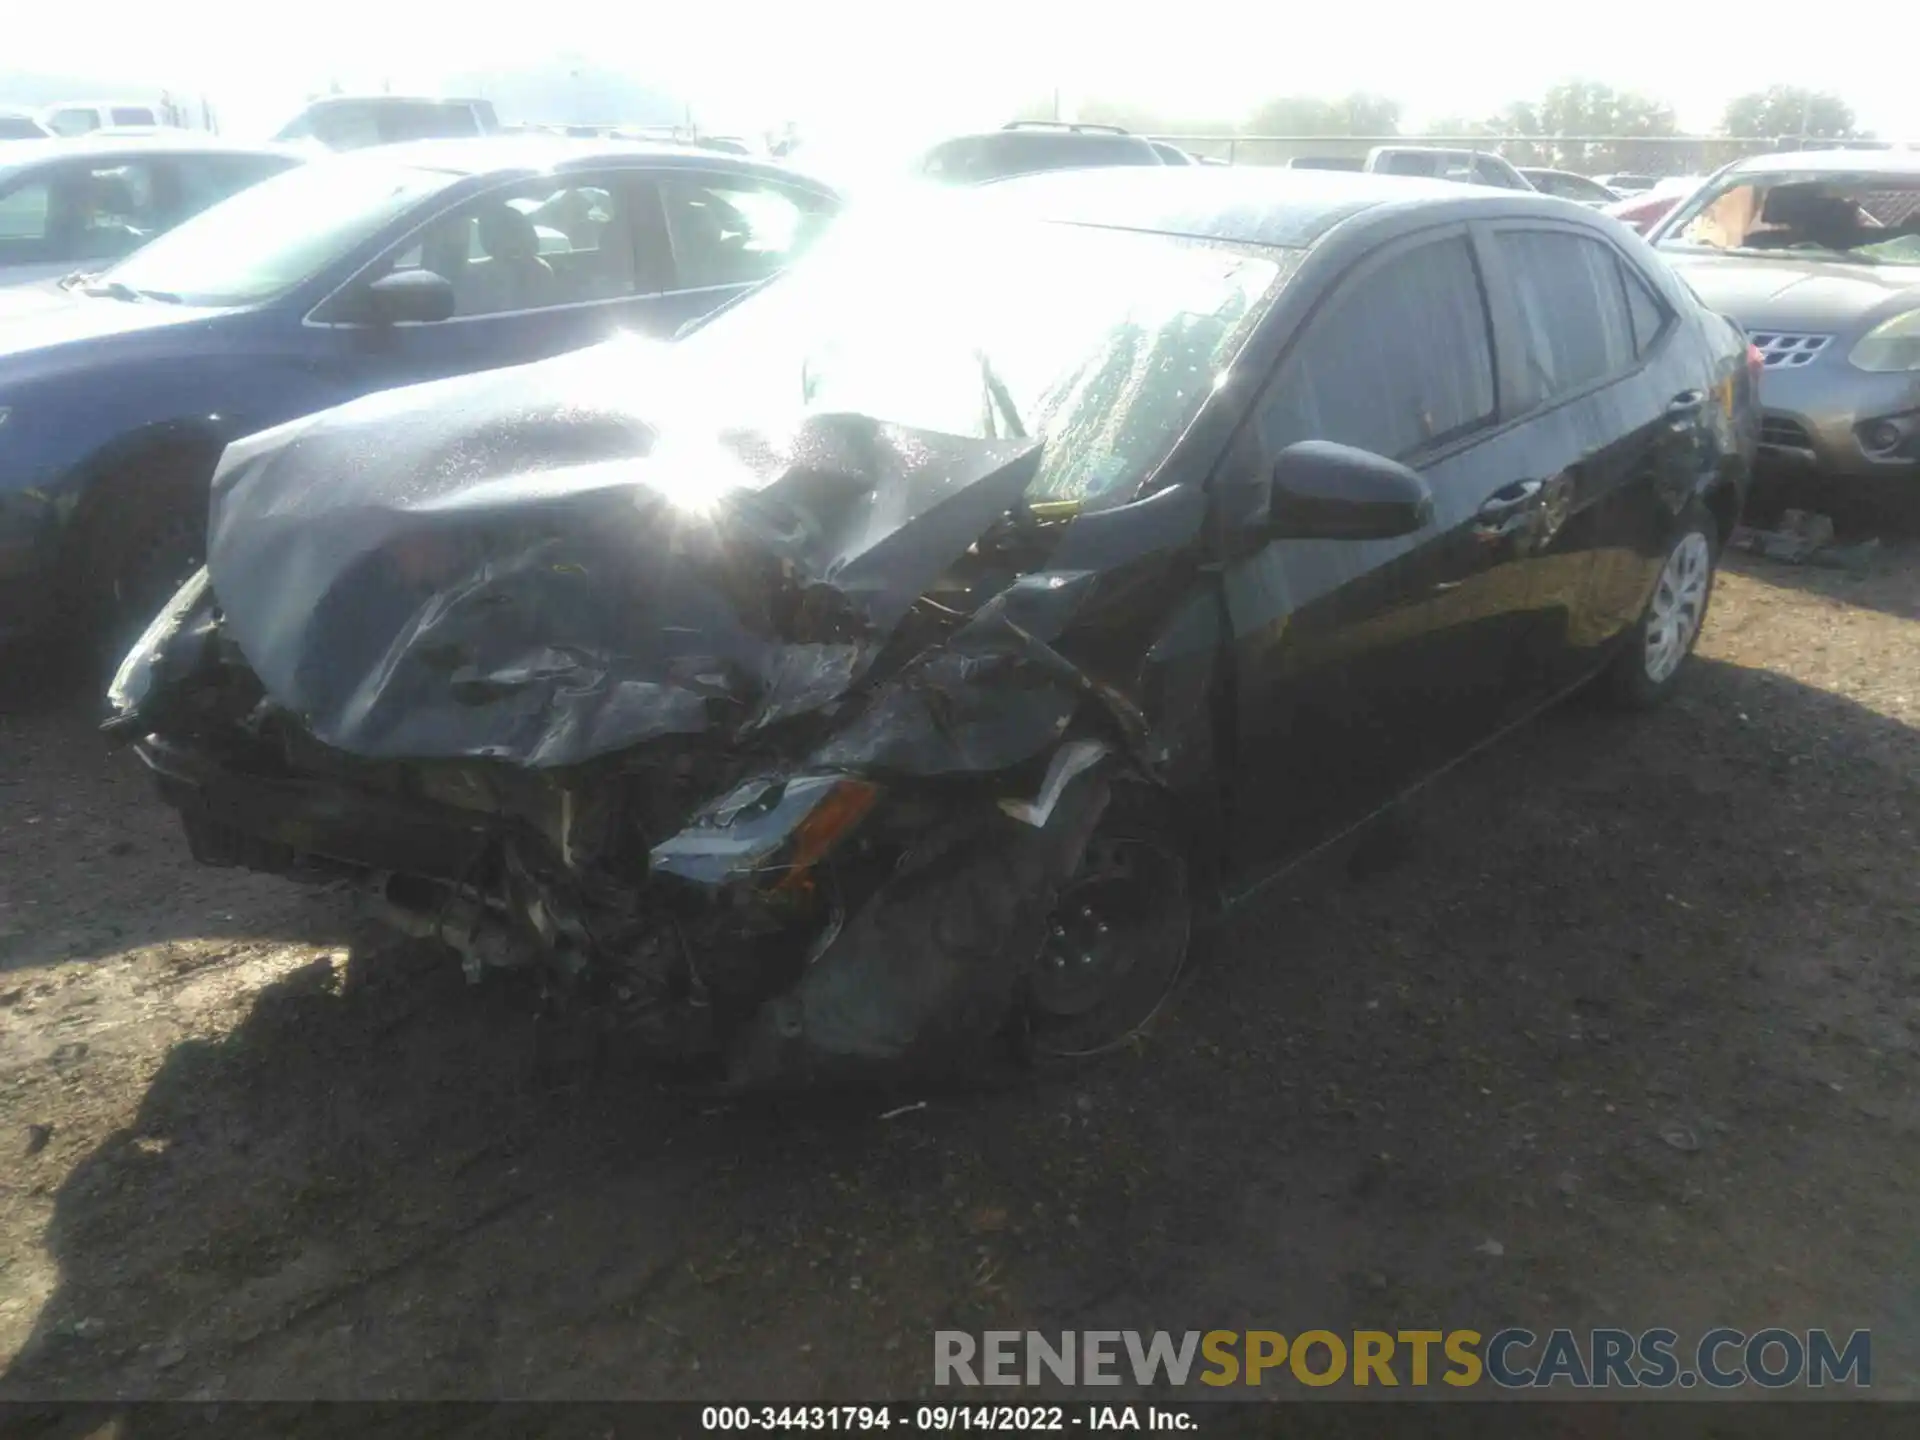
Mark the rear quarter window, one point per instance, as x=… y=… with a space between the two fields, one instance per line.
x=1646 y=310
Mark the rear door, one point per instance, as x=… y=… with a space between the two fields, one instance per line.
x=1607 y=406
x=79 y=214
x=1363 y=665
x=716 y=233
x=545 y=266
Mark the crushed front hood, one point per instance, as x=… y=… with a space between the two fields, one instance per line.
x=529 y=566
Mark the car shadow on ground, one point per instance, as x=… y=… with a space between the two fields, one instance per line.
x=1628 y=1039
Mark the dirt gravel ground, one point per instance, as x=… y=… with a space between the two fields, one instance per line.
x=1630 y=1037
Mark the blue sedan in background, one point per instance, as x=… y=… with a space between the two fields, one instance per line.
x=71 y=204
x=355 y=273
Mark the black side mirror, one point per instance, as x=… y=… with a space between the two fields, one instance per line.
x=417 y=296
x=1324 y=491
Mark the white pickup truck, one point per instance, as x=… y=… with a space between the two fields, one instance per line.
x=1473 y=167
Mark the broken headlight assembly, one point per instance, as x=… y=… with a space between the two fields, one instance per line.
x=767 y=833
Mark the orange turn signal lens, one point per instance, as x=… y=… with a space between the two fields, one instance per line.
x=845 y=807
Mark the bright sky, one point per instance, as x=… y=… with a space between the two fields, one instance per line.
x=915 y=70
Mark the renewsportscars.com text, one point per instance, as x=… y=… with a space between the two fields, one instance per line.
x=1512 y=1358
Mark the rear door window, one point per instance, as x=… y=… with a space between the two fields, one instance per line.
x=347 y=128
x=1575 y=326
x=1399 y=361
x=1429 y=163
x=25 y=215
x=426 y=121
x=74 y=120
x=133 y=115
x=735 y=231
x=82 y=214
x=536 y=246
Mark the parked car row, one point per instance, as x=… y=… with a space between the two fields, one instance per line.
x=73 y=118
x=67 y=205
x=904 y=657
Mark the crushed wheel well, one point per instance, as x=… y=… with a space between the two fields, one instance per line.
x=1723 y=503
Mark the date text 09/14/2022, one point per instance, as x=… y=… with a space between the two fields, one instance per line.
x=944 y=1419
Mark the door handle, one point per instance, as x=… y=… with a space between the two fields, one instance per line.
x=1510 y=498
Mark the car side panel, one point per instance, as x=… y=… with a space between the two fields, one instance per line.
x=1360 y=666
x=1679 y=452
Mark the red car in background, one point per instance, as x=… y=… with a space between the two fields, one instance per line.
x=1645 y=210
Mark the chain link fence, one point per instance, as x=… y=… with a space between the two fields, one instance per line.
x=1656 y=155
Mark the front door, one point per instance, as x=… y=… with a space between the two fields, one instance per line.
x=1361 y=666
x=542 y=267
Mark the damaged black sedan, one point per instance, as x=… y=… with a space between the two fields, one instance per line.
x=901 y=660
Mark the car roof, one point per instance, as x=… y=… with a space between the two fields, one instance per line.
x=386 y=99
x=125 y=100
x=485 y=154
x=16 y=154
x=1256 y=204
x=1845 y=162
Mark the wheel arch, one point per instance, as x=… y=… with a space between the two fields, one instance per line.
x=1723 y=501
x=169 y=451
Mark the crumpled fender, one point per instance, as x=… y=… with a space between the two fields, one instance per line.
x=924 y=976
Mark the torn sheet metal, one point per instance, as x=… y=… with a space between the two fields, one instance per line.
x=925 y=973
x=1068 y=761
x=495 y=567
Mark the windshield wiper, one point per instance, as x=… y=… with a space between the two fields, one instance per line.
x=999 y=395
x=120 y=290
x=108 y=289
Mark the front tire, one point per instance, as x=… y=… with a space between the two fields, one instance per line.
x=1654 y=657
x=1121 y=933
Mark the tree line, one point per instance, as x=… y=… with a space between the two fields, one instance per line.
x=1536 y=130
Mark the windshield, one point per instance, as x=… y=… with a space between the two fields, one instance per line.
x=1105 y=342
x=274 y=235
x=1871 y=219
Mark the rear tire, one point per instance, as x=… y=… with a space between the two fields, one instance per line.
x=1654 y=656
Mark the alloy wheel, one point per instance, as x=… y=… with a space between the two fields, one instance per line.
x=1678 y=606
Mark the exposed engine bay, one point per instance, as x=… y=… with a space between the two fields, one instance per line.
x=795 y=771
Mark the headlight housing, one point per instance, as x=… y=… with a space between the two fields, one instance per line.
x=1892 y=345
